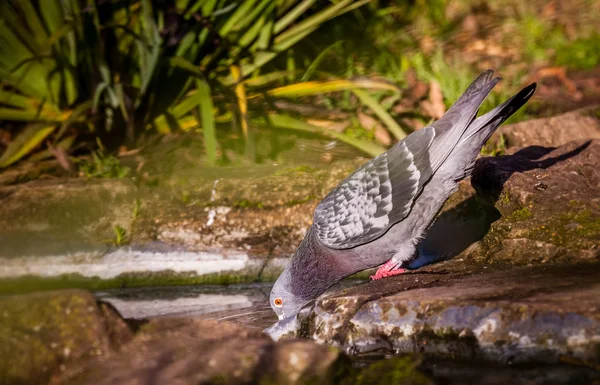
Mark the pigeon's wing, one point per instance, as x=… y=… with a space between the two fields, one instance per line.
x=363 y=206
x=381 y=193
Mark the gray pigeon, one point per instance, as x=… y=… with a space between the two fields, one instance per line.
x=378 y=215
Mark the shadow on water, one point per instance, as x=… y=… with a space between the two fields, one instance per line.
x=468 y=222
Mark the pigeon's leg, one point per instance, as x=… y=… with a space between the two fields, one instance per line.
x=388 y=269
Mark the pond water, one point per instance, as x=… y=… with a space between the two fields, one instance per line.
x=247 y=304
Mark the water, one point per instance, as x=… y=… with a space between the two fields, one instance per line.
x=247 y=304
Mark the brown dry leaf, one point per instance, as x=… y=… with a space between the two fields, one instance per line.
x=61 y=156
x=434 y=106
x=561 y=74
x=426 y=44
x=413 y=123
x=366 y=120
x=5 y=137
x=381 y=134
x=123 y=151
x=549 y=10
x=470 y=24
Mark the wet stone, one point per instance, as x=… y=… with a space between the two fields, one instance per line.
x=43 y=334
x=466 y=311
x=192 y=351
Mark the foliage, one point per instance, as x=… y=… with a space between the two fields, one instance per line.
x=71 y=70
x=102 y=165
x=131 y=66
x=583 y=53
x=121 y=237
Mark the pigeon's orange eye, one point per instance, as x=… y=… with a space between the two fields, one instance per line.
x=278 y=302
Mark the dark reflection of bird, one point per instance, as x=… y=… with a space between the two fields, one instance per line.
x=378 y=215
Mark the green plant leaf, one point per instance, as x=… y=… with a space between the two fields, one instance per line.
x=285 y=121
x=381 y=113
x=313 y=66
x=64 y=144
x=25 y=142
x=207 y=119
x=292 y=15
x=243 y=9
x=320 y=87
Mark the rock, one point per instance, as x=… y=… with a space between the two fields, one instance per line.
x=66 y=337
x=554 y=131
x=45 y=333
x=186 y=224
x=192 y=351
x=464 y=311
x=549 y=202
x=64 y=216
x=182 y=223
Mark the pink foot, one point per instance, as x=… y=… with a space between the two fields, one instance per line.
x=388 y=269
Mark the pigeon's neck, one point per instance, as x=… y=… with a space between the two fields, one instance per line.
x=314 y=268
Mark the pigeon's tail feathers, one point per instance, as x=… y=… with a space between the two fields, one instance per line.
x=481 y=80
x=446 y=133
x=483 y=127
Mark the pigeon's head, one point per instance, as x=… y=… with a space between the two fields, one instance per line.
x=284 y=303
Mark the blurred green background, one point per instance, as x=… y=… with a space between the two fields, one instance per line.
x=85 y=81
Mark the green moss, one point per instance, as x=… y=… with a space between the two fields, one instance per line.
x=492 y=241
x=41 y=328
x=504 y=198
x=397 y=370
x=574 y=230
x=164 y=278
x=246 y=204
x=520 y=214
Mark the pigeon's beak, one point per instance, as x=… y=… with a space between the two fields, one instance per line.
x=280 y=316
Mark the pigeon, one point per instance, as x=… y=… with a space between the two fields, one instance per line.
x=378 y=215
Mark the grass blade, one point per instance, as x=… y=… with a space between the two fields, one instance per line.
x=320 y=87
x=240 y=93
x=25 y=142
x=313 y=66
x=285 y=121
x=261 y=80
x=16 y=100
x=292 y=15
x=317 y=19
x=238 y=17
x=207 y=120
x=381 y=113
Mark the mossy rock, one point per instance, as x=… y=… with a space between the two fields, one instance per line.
x=549 y=203
x=42 y=334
